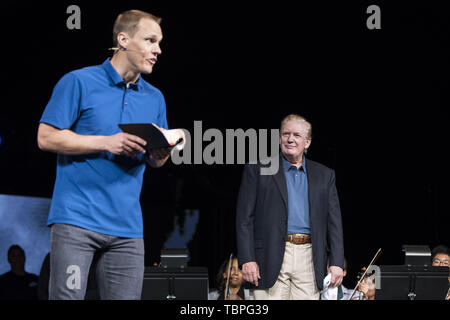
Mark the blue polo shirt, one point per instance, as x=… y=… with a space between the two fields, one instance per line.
x=100 y=191
x=298 y=205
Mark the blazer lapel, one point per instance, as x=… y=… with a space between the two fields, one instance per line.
x=280 y=180
x=311 y=176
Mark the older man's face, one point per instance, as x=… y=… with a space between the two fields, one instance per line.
x=294 y=138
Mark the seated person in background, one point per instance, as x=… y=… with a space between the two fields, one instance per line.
x=367 y=288
x=17 y=284
x=236 y=282
x=440 y=256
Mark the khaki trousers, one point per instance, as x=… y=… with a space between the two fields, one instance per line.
x=296 y=280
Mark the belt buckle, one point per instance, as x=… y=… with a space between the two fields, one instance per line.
x=300 y=238
x=297 y=238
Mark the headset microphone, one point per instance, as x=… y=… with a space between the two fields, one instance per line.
x=125 y=49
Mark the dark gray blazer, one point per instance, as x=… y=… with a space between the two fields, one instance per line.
x=261 y=220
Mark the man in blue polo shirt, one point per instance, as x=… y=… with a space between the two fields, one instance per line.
x=95 y=206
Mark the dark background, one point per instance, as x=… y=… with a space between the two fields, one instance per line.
x=376 y=100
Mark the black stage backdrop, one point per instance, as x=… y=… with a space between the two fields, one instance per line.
x=376 y=99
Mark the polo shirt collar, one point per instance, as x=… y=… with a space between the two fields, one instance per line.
x=287 y=165
x=117 y=79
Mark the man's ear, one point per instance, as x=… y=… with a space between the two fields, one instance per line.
x=122 y=40
x=308 y=143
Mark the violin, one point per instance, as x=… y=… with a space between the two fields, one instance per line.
x=364 y=274
x=226 y=294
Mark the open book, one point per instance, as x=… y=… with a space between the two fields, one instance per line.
x=156 y=137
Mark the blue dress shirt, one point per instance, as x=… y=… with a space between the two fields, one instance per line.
x=298 y=206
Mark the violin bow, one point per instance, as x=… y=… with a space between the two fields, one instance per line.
x=228 y=276
x=364 y=274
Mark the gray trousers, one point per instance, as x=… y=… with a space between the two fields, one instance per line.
x=119 y=268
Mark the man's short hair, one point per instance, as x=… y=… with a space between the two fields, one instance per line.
x=440 y=249
x=128 y=22
x=298 y=118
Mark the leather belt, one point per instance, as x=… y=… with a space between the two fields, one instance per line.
x=298 y=238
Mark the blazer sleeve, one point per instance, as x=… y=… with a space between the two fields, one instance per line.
x=245 y=214
x=335 y=232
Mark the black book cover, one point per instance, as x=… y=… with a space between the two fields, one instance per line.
x=147 y=131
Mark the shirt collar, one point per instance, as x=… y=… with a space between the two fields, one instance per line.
x=287 y=165
x=117 y=79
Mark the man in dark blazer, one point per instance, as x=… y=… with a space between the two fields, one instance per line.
x=289 y=223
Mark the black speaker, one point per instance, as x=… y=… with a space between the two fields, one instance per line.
x=190 y=283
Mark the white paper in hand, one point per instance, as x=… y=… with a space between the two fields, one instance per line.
x=327 y=292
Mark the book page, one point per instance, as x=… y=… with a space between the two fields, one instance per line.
x=173 y=135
